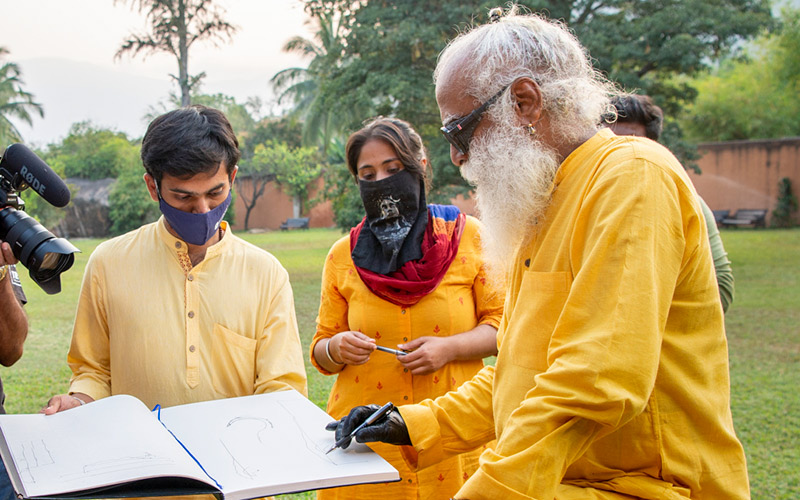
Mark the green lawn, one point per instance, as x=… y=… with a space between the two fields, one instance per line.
x=763 y=329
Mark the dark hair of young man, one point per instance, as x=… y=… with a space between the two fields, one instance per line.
x=188 y=141
x=400 y=135
x=632 y=108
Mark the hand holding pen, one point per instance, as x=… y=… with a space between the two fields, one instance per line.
x=368 y=424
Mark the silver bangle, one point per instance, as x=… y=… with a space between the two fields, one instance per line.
x=79 y=400
x=328 y=353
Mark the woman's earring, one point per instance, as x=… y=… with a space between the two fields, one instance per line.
x=531 y=129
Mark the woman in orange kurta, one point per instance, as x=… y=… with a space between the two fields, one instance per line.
x=410 y=277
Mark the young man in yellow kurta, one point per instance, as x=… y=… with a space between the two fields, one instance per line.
x=611 y=379
x=181 y=310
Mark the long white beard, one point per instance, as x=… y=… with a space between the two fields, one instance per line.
x=513 y=177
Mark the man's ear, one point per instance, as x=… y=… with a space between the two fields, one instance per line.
x=151 y=186
x=233 y=174
x=527 y=100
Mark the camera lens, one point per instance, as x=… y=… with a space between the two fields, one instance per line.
x=45 y=256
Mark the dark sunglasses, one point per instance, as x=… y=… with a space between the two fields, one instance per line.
x=459 y=131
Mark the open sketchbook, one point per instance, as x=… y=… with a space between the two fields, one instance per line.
x=237 y=448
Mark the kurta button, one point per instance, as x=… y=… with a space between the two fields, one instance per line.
x=405 y=339
x=177 y=244
x=191 y=314
x=405 y=370
x=527 y=262
x=405 y=397
x=190 y=277
x=402 y=311
x=191 y=348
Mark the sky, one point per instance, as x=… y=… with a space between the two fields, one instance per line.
x=65 y=50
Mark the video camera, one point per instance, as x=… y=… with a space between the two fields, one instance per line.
x=45 y=256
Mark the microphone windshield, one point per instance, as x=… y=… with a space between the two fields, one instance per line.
x=34 y=172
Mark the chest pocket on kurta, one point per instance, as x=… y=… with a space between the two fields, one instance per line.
x=538 y=306
x=235 y=357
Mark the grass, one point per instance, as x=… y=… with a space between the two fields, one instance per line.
x=762 y=325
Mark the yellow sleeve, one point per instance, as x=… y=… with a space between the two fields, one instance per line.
x=279 y=355
x=626 y=251
x=332 y=316
x=89 y=355
x=452 y=424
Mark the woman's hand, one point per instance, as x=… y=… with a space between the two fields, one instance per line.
x=351 y=348
x=427 y=355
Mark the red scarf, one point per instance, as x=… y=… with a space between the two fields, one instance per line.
x=417 y=278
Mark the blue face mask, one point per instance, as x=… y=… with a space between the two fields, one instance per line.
x=195 y=229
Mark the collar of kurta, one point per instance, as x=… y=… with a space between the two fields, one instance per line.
x=417 y=278
x=180 y=247
x=574 y=158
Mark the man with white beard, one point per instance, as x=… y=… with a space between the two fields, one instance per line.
x=611 y=380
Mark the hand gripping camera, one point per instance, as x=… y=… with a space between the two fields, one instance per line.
x=45 y=256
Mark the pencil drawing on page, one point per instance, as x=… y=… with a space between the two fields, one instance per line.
x=251 y=443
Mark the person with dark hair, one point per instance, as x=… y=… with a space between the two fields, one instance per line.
x=612 y=376
x=409 y=277
x=637 y=115
x=182 y=310
x=13 y=331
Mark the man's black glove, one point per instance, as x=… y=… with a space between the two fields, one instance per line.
x=390 y=429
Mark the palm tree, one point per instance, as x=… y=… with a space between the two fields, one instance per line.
x=14 y=102
x=303 y=86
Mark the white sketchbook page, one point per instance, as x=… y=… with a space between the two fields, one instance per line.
x=270 y=444
x=110 y=441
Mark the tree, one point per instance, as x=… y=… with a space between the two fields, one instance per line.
x=341 y=189
x=303 y=86
x=292 y=168
x=390 y=52
x=93 y=153
x=258 y=171
x=175 y=26
x=753 y=97
x=129 y=202
x=14 y=102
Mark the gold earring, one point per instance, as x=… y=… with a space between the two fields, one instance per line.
x=531 y=129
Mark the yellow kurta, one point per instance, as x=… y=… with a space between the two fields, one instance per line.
x=612 y=374
x=151 y=325
x=460 y=302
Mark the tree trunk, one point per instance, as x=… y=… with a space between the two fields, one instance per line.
x=247 y=210
x=297 y=206
x=183 y=58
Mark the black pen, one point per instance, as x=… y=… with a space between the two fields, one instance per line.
x=390 y=351
x=379 y=413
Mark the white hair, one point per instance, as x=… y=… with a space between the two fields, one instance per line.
x=493 y=55
x=510 y=201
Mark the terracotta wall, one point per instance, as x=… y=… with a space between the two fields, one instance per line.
x=275 y=206
x=745 y=174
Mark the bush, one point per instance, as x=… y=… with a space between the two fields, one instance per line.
x=783 y=215
x=129 y=203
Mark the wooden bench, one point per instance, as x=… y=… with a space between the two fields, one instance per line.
x=720 y=215
x=297 y=223
x=746 y=217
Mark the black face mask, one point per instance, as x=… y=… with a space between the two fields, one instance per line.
x=396 y=219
